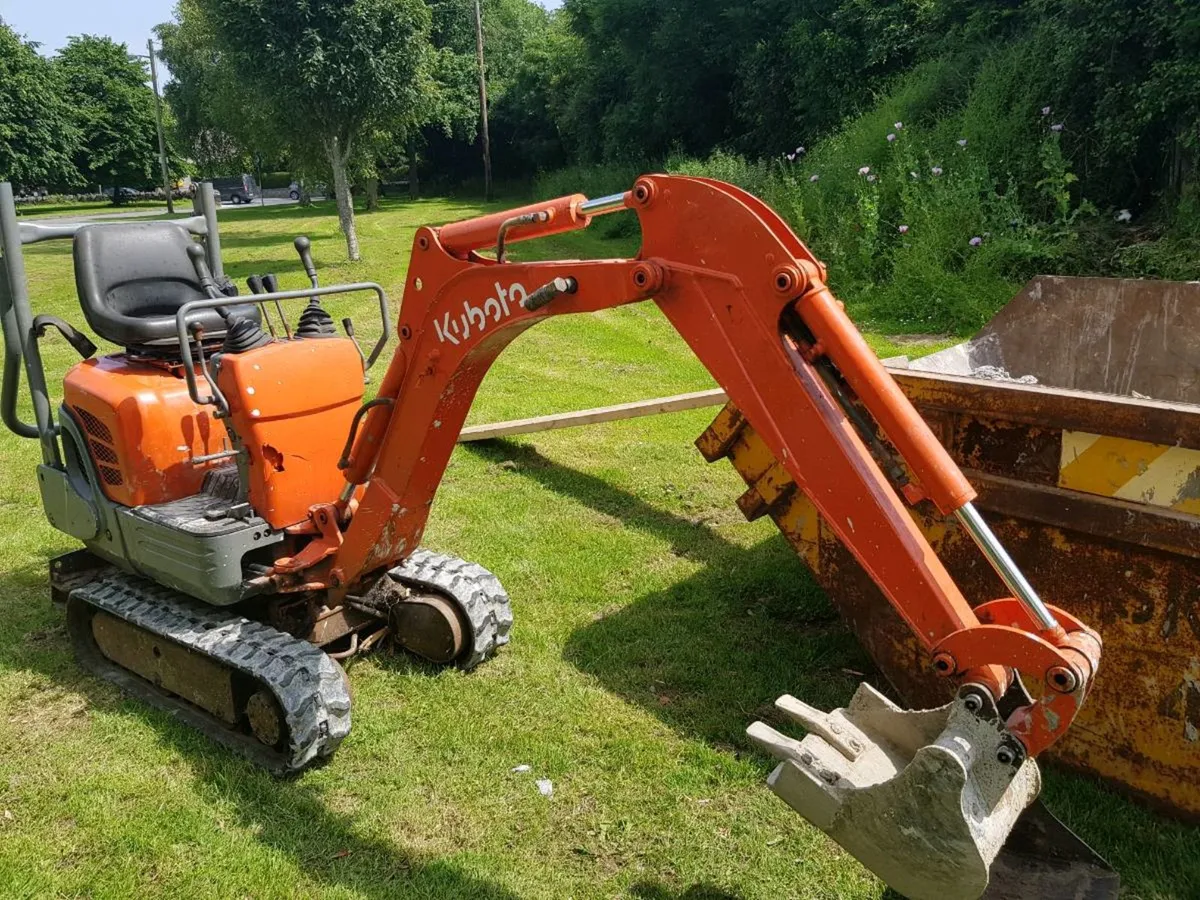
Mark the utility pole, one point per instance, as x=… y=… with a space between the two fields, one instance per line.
x=483 y=104
x=162 y=144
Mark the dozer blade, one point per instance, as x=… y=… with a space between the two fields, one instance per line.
x=925 y=799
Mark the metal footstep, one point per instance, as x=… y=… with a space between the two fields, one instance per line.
x=925 y=799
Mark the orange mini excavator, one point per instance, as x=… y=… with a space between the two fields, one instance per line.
x=249 y=520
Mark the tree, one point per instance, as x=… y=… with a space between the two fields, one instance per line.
x=112 y=107
x=37 y=136
x=330 y=73
x=216 y=118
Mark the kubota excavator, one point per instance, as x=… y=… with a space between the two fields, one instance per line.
x=248 y=519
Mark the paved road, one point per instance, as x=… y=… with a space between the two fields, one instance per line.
x=182 y=206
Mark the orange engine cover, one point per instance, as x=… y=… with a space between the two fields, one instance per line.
x=291 y=404
x=142 y=428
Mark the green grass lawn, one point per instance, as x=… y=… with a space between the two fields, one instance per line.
x=652 y=625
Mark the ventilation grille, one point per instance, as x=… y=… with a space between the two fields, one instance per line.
x=93 y=426
x=100 y=439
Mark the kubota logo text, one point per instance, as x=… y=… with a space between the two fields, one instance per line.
x=474 y=319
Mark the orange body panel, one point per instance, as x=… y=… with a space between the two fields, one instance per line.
x=142 y=428
x=291 y=403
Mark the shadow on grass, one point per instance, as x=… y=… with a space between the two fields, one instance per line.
x=651 y=891
x=289 y=816
x=711 y=653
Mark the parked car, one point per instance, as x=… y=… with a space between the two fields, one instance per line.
x=294 y=190
x=123 y=193
x=239 y=189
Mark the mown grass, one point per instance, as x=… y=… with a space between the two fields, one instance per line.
x=652 y=625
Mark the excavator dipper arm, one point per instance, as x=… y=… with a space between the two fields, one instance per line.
x=751 y=301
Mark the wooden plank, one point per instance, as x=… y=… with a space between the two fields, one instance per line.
x=678 y=403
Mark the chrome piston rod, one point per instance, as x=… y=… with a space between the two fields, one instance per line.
x=969 y=516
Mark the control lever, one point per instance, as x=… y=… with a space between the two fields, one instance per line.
x=314 y=320
x=348 y=324
x=255 y=283
x=304 y=248
x=196 y=254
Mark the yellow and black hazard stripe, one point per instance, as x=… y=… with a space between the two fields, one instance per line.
x=1155 y=474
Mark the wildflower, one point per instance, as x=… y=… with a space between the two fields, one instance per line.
x=986 y=235
x=871 y=179
x=891 y=137
x=962 y=142
x=976 y=241
x=800 y=151
x=1057 y=128
x=1045 y=110
x=865 y=170
x=937 y=170
x=914 y=175
x=813 y=179
x=903 y=229
x=1124 y=216
x=897 y=125
x=790 y=157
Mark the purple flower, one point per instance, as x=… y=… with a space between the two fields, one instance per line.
x=962 y=142
x=891 y=137
x=976 y=241
x=1058 y=127
x=865 y=170
x=903 y=229
x=936 y=170
x=1045 y=110
x=813 y=179
x=897 y=125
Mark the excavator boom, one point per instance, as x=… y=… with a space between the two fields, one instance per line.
x=751 y=301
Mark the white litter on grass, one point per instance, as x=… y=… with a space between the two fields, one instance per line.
x=522 y=769
x=545 y=787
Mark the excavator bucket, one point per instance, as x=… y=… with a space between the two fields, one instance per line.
x=1075 y=414
x=923 y=798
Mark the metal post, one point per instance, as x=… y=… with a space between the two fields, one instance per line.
x=1005 y=567
x=212 y=240
x=162 y=143
x=21 y=317
x=483 y=104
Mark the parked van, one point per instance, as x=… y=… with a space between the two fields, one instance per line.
x=241 y=189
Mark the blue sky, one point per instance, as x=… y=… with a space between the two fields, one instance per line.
x=51 y=22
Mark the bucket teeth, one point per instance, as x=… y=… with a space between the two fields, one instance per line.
x=923 y=798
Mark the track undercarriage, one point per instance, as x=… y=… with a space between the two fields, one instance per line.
x=278 y=697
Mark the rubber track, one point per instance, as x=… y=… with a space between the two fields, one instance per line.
x=311 y=688
x=475 y=590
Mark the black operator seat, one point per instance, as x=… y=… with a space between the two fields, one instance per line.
x=133 y=277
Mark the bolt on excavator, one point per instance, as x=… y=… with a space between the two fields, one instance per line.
x=248 y=519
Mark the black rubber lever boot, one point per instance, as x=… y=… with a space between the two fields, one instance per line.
x=314 y=321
